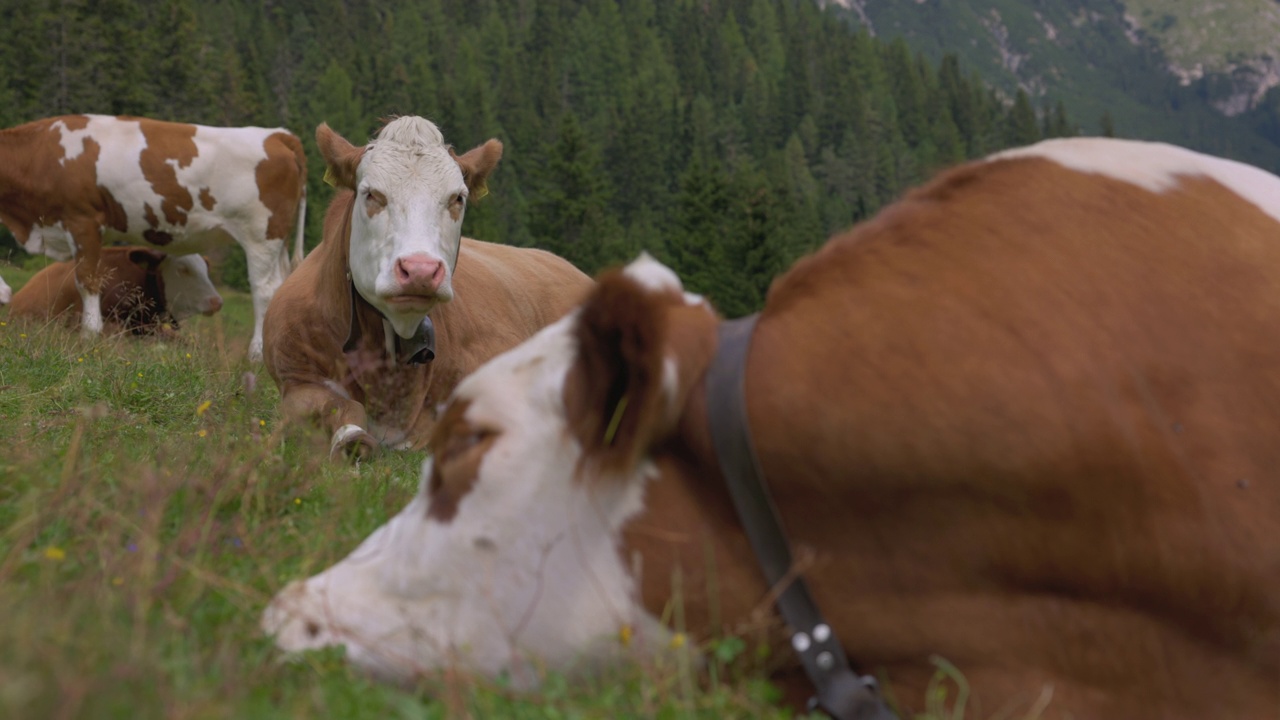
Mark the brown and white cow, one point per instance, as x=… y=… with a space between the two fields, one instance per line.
x=339 y=330
x=142 y=289
x=1026 y=420
x=67 y=184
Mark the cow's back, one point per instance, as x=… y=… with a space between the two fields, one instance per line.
x=176 y=185
x=48 y=294
x=309 y=317
x=504 y=295
x=52 y=292
x=1046 y=404
x=532 y=287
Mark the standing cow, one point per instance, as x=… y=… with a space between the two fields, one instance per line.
x=142 y=290
x=380 y=322
x=67 y=184
x=1025 y=420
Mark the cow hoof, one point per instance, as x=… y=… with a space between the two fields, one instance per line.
x=351 y=442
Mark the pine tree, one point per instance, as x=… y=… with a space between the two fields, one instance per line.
x=186 y=65
x=1061 y=126
x=567 y=213
x=908 y=94
x=1106 y=127
x=1022 y=128
x=704 y=235
x=335 y=102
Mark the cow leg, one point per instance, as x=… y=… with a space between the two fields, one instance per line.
x=268 y=263
x=88 y=249
x=331 y=408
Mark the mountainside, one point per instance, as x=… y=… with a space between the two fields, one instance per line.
x=1237 y=40
x=1202 y=73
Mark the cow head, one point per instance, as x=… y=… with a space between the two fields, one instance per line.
x=406 y=223
x=511 y=547
x=187 y=287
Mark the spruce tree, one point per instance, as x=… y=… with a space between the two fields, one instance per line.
x=1022 y=128
x=567 y=212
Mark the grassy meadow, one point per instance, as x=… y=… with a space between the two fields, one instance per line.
x=150 y=505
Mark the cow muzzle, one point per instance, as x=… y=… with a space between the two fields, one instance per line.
x=418 y=275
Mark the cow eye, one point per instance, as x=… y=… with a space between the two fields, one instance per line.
x=460 y=444
x=374 y=201
x=459 y=199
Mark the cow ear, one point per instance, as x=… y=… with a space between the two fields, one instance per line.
x=477 y=164
x=146 y=257
x=614 y=395
x=341 y=158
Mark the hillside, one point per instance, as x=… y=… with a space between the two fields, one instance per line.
x=1236 y=40
x=1187 y=71
x=726 y=137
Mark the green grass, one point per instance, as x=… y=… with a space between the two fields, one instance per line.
x=150 y=505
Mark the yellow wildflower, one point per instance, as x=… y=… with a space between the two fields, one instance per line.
x=55 y=553
x=624 y=634
x=202 y=433
x=202 y=407
x=677 y=640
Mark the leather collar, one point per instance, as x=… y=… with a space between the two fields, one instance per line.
x=841 y=693
x=153 y=287
x=419 y=349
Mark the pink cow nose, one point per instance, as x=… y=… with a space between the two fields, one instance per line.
x=419 y=274
x=214 y=305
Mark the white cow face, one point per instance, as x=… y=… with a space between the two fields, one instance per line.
x=187 y=287
x=510 y=551
x=406 y=224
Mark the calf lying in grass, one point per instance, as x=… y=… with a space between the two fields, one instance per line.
x=142 y=290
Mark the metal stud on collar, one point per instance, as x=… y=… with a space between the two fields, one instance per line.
x=841 y=693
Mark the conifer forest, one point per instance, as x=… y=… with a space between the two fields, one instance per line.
x=726 y=137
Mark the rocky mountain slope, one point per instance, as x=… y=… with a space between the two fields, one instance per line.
x=1237 y=40
x=1203 y=73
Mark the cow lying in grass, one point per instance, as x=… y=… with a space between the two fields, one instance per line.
x=142 y=290
x=345 y=335
x=1025 y=420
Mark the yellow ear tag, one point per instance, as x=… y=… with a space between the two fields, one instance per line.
x=615 y=421
x=481 y=192
x=329 y=179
